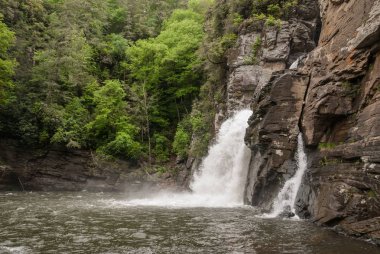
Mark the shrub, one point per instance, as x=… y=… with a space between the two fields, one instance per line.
x=182 y=138
x=123 y=146
x=260 y=17
x=219 y=47
x=274 y=10
x=237 y=19
x=326 y=145
x=161 y=147
x=272 y=21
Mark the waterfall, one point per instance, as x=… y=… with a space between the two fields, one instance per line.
x=220 y=180
x=286 y=199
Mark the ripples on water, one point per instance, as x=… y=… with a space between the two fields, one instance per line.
x=104 y=223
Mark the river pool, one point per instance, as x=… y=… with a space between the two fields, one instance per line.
x=84 y=222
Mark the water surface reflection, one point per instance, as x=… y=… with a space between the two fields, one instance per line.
x=102 y=223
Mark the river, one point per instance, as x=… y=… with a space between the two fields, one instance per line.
x=107 y=223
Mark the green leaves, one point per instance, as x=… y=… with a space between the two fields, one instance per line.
x=182 y=138
x=71 y=129
x=200 y=6
x=115 y=76
x=219 y=47
x=167 y=64
x=123 y=145
x=62 y=70
x=7 y=38
x=145 y=61
x=161 y=147
x=111 y=130
x=7 y=64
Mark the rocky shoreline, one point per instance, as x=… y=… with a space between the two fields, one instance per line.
x=63 y=169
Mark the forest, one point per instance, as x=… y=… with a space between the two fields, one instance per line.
x=115 y=76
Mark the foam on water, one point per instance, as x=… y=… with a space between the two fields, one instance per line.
x=220 y=180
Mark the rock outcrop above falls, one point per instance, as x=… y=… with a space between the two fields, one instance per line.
x=262 y=50
x=339 y=118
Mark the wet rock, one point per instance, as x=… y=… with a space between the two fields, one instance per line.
x=60 y=169
x=339 y=117
x=370 y=227
x=272 y=136
x=277 y=43
x=287 y=214
x=369 y=32
x=341 y=121
x=242 y=84
x=324 y=104
x=277 y=104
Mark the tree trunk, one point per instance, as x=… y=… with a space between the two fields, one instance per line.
x=147 y=125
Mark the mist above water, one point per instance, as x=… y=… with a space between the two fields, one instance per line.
x=220 y=180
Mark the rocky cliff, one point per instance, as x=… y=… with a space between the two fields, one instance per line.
x=332 y=96
x=249 y=66
x=63 y=169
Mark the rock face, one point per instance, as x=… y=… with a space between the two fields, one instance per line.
x=278 y=103
x=341 y=120
x=62 y=170
x=262 y=50
x=333 y=97
x=272 y=136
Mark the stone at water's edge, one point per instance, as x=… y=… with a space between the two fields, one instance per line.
x=286 y=214
x=60 y=169
x=340 y=120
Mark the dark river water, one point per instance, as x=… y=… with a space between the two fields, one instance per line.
x=103 y=223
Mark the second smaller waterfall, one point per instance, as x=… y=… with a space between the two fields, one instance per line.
x=286 y=198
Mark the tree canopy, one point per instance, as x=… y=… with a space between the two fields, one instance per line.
x=114 y=76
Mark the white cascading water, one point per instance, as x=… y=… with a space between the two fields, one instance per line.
x=286 y=198
x=220 y=180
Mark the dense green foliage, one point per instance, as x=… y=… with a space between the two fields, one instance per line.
x=6 y=63
x=115 y=76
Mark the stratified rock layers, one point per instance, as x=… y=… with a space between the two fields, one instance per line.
x=61 y=169
x=339 y=117
x=341 y=120
x=272 y=136
x=278 y=103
